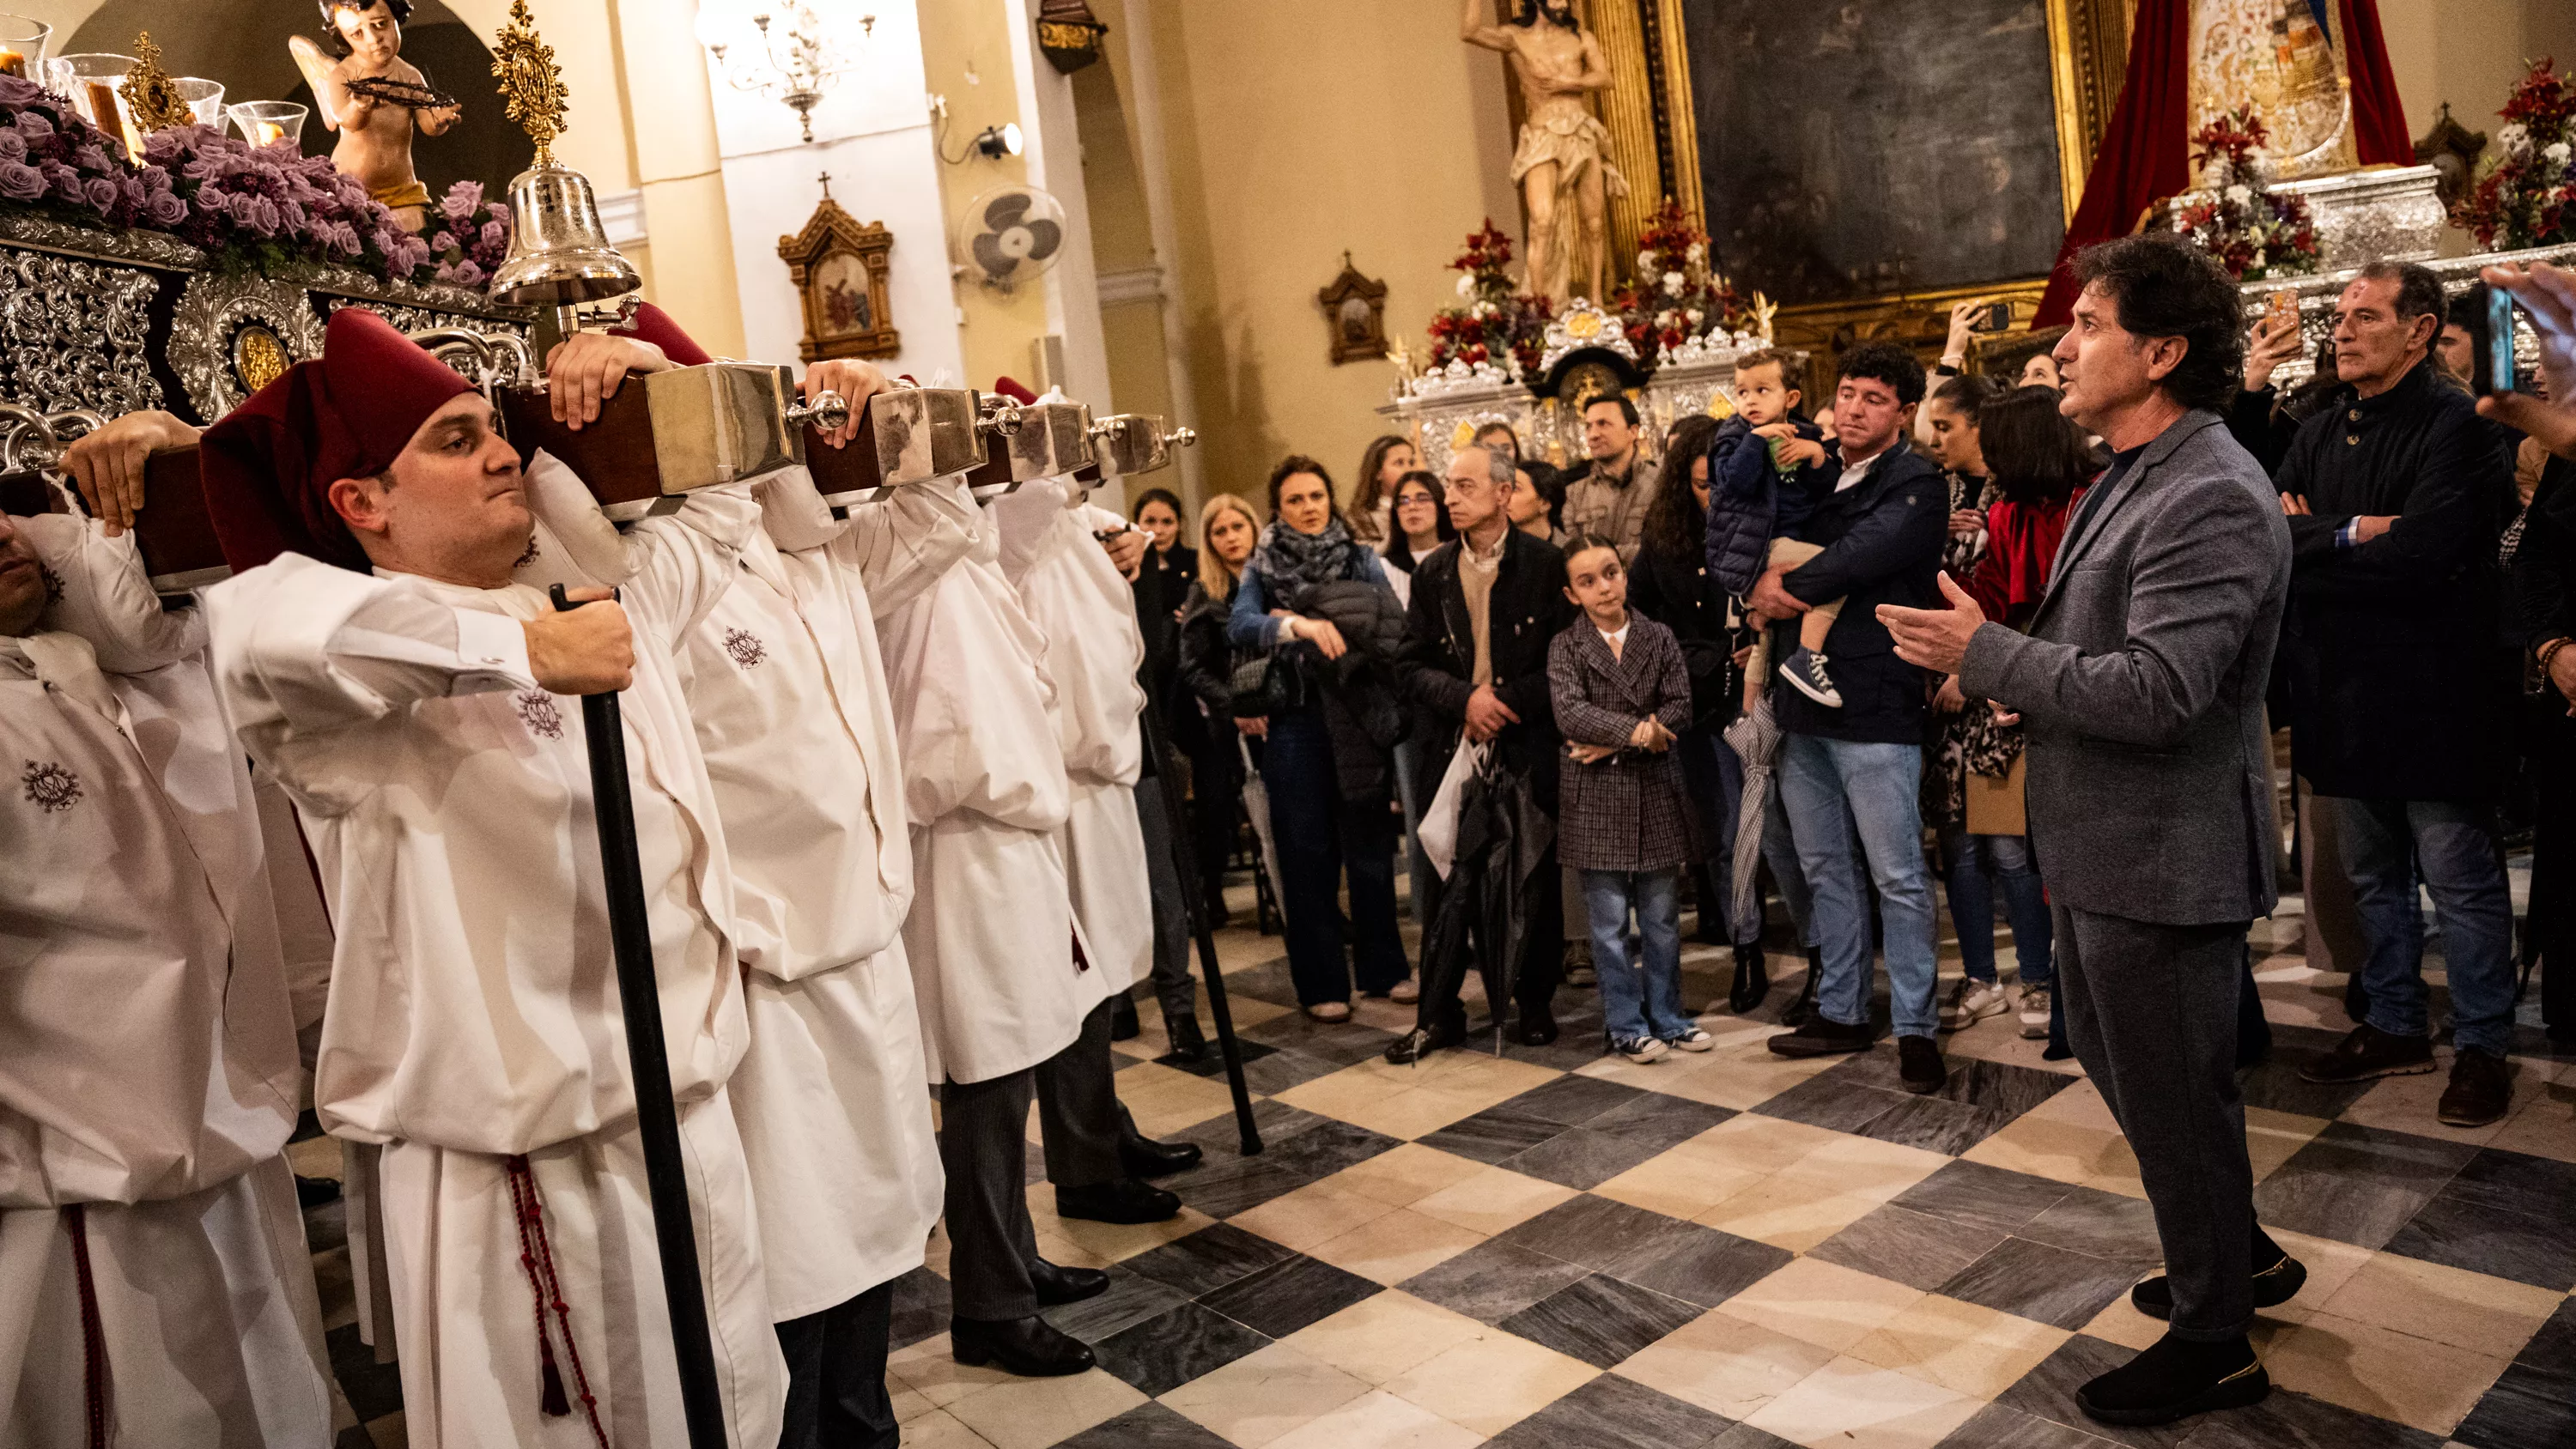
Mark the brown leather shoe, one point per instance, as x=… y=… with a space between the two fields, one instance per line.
x=2480 y=1091
x=2367 y=1053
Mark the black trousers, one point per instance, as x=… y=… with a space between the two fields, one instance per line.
x=1078 y=1111
x=836 y=1368
x=982 y=1137
x=1175 y=990
x=2151 y=1011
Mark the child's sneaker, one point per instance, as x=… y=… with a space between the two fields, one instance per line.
x=1805 y=671
x=1639 y=1049
x=1692 y=1040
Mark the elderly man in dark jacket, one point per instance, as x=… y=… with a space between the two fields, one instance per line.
x=1485 y=607
x=2397 y=697
x=1862 y=764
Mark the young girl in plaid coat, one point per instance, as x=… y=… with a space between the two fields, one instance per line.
x=1622 y=696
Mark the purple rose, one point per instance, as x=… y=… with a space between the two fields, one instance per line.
x=131 y=188
x=66 y=182
x=33 y=125
x=203 y=168
x=90 y=158
x=21 y=182
x=13 y=147
x=345 y=237
x=102 y=194
x=468 y=275
x=443 y=243
x=494 y=234
x=265 y=218
x=461 y=200
x=15 y=92
x=163 y=209
x=162 y=148
x=296 y=218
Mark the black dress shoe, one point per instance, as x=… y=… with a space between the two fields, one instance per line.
x=2176 y=1378
x=1142 y=1156
x=1418 y=1043
x=1918 y=1065
x=1120 y=1200
x=1537 y=1026
x=2366 y=1053
x=1803 y=1005
x=1057 y=1285
x=1189 y=1047
x=1822 y=1036
x=1030 y=1347
x=1123 y=1025
x=1752 y=980
x=2275 y=1283
x=312 y=1192
x=2480 y=1091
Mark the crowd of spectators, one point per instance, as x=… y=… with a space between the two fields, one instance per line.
x=1593 y=632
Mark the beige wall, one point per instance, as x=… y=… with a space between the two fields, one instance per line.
x=966 y=56
x=2470 y=52
x=1297 y=131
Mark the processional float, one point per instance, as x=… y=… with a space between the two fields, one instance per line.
x=660 y=437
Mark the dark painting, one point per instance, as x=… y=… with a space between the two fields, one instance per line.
x=1846 y=149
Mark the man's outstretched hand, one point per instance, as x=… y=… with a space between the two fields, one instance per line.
x=1935 y=639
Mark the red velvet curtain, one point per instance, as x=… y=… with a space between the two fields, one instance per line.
x=2378 y=119
x=2146 y=154
x=2143 y=155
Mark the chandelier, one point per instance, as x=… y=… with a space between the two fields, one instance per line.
x=796 y=60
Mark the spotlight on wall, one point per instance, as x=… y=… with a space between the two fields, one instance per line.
x=996 y=142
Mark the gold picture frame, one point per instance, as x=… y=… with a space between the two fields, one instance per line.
x=839 y=266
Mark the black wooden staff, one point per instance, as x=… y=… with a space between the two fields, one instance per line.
x=657 y=1117
x=1184 y=870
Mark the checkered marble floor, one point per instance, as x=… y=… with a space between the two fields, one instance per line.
x=1556 y=1248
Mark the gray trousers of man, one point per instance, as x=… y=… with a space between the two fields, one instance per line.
x=1174 y=987
x=2151 y=1012
x=983 y=1129
x=1079 y=1114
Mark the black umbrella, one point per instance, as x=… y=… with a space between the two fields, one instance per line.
x=1503 y=840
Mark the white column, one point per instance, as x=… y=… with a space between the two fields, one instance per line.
x=1054 y=158
x=1153 y=165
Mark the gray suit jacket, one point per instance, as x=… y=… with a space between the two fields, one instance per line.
x=2141 y=687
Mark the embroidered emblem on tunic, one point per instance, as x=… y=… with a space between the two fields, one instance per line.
x=53 y=585
x=50 y=787
x=525 y=559
x=745 y=647
x=537 y=711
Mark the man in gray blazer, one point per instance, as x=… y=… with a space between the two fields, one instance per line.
x=2141 y=687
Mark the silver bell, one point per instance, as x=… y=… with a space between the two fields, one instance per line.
x=559 y=252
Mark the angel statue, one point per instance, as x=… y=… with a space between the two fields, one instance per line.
x=1562 y=166
x=375 y=99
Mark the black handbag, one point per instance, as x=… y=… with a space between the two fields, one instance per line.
x=1716 y=686
x=1266 y=685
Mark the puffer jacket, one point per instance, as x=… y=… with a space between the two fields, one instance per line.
x=1751 y=503
x=1362 y=710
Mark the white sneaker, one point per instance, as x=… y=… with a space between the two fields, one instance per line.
x=1693 y=1040
x=1972 y=1001
x=2034 y=1012
x=1641 y=1049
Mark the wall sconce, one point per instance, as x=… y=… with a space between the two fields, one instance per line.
x=992 y=143
x=996 y=142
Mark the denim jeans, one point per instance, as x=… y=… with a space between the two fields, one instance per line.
x=1780 y=852
x=1834 y=791
x=1640 y=995
x=1321 y=837
x=2453 y=843
x=1977 y=864
x=1714 y=780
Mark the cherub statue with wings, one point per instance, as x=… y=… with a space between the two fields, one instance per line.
x=375 y=99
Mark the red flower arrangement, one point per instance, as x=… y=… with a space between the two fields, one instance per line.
x=2528 y=196
x=1676 y=296
x=2254 y=233
x=1497 y=325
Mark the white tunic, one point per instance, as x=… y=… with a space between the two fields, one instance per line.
x=148 y=1071
x=474 y=1012
x=990 y=935
x=1094 y=650
x=789 y=698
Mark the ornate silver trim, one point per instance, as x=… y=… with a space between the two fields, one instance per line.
x=100 y=243
x=215 y=307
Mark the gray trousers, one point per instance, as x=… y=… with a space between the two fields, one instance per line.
x=983 y=1127
x=1174 y=987
x=1078 y=1110
x=2151 y=1013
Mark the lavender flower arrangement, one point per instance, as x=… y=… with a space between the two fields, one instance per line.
x=251 y=207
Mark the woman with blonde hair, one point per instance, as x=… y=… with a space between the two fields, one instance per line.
x=1228 y=529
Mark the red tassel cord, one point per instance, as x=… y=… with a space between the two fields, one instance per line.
x=537 y=1257
x=94 y=1382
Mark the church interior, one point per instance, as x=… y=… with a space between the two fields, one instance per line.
x=957 y=262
